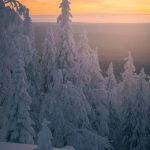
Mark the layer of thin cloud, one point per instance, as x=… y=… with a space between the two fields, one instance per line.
x=98 y=18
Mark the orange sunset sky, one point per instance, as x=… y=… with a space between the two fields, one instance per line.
x=92 y=10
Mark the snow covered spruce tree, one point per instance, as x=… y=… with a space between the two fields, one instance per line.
x=139 y=124
x=64 y=97
x=93 y=84
x=32 y=67
x=148 y=119
x=88 y=62
x=114 y=120
x=84 y=58
x=18 y=125
x=61 y=101
x=45 y=137
x=11 y=14
x=18 y=38
x=27 y=24
x=8 y=22
x=48 y=59
x=66 y=51
x=128 y=93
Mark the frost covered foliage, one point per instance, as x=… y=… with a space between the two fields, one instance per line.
x=113 y=105
x=66 y=52
x=12 y=42
x=128 y=97
x=65 y=85
x=18 y=124
x=134 y=108
x=16 y=53
x=67 y=71
x=60 y=102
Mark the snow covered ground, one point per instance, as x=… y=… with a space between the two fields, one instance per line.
x=14 y=146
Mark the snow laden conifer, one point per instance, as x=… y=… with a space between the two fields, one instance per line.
x=84 y=60
x=48 y=59
x=114 y=122
x=9 y=23
x=18 y=126
x=45 y=137
x=66 y=51
x=27 y=24
x=11 y=13
x=95 y=91
x=138 y=134
x=127 y=86
x=111 y=81
x=93 y=85
x=128 y=97
x=148 y=119
x=62 y=101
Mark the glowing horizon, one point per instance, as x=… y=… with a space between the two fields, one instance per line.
x=92 y=10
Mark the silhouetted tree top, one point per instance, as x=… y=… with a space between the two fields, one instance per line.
x=16 y=6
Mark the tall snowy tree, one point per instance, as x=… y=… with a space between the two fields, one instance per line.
x=14 y=5
x=127 y=86
x=45 y=137
x=88 y=62
x=9 y=23
x=128 y=93
x=138 y=133
x=68 y=103
x=27 y=24
x=93 y=84
x=114 y=121
x=48 y=59
x=96 y=94
x=111 y=79
x=18 y=126
x=84 y=53
x=66 y=51
x=148 y=122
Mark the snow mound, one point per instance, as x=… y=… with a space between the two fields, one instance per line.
x=16 y=146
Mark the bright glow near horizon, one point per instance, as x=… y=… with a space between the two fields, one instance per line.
x=92 y=10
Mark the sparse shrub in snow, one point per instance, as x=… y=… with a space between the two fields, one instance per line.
x=45 y=137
